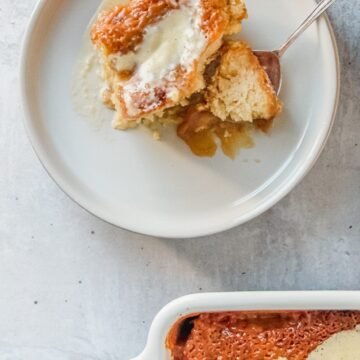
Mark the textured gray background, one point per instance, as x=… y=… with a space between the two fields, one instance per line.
x=74 y=287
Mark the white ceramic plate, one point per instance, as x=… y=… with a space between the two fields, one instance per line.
x=240 y=301
x=160 y=188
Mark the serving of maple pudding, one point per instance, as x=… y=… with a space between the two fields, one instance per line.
x=168 y=62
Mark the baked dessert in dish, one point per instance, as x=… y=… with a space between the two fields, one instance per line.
x=154 y=52
x=286 y=335
x=169 y=61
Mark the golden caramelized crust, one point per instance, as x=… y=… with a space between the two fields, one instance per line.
x=256 y=335
x=222 y=17
x=121 y=29
x=241 y=90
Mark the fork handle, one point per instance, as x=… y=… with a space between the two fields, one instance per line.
x=320 y=8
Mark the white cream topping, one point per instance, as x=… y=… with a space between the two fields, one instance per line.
x=344 y=345
x=175 y=40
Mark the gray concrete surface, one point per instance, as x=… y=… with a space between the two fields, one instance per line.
x=74 y=287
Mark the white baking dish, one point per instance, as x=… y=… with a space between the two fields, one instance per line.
x=240 y=301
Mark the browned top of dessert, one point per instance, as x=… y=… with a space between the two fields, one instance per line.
x=122 y=28
x=256 y=335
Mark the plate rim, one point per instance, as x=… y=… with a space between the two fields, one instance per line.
x=273 y=198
